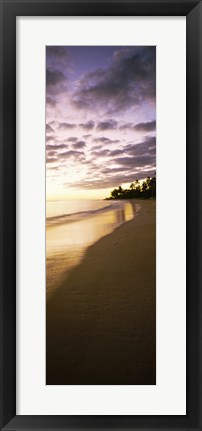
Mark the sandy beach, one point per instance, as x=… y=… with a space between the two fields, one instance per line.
x=101 y=321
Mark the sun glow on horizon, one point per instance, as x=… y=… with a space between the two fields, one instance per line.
x=96 y=194
x=79 y=194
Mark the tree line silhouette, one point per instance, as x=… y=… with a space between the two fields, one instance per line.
x=144 y=190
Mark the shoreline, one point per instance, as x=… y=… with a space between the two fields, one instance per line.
x=67 y=218
x=101 y=321
x=68 y=242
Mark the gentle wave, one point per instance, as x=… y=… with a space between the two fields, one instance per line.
x=64 y=218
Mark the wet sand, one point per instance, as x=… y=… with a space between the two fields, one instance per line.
x=101 y=321
x=67 y=242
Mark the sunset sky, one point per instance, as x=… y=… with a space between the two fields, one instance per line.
x=100 y=119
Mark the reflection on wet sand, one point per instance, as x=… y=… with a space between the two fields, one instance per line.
x=67 y=243
x=124 y=214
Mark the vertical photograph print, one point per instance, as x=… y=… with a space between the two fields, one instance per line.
x=101 y=215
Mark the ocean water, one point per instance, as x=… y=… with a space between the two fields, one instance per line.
x=74 y=225
x=73 y=210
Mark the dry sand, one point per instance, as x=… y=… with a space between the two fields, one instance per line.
x=101 y=322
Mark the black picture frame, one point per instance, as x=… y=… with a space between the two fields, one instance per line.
x=192 y=9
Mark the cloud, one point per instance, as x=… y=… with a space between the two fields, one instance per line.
x=51 y=159
x=126 y=126
x=72 y=139
x=53 y=77
x=65 y=126
x=58 y=57
x=50 y=101
x=102 y=139
x=79 y=144
x=96 y=147
x=49 y=129
x=101 y=153
x=49 y=138
x=116 y=98
x=58 y=65
x=136 y=161
x=143 y=127
x=54 y=168
x=148 y=146
x=56 y=84
x=106 y=140
x=119 y=169
x=146 y=127
x=79 y=104
x=72 y=153
x=115 y=153
x=107 y=125
x=56 y=147
x=88 y=126
x=111 y=182
x=130 y=80
x=51 y=153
